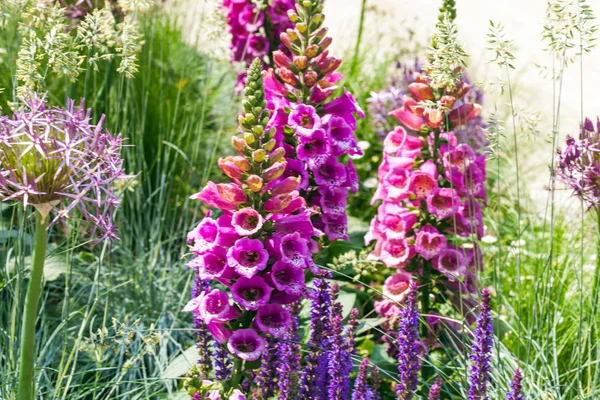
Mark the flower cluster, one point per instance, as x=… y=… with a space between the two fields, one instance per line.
x=432 y=189
x=59 y=162
x=317 y=131
x=578 y=164
x=255 y=29
x=328 y=365
x=482 y=350
x=362 y=389
x=408 y=347
x=261 y=243
x=382 y=103
x=516 y=387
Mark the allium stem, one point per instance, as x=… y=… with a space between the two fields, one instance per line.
x=597 y=271
x=34 y=289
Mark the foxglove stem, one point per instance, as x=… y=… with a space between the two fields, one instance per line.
x=236 y=374
x=34 y=289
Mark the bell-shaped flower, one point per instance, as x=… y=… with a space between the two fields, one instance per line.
x=429 y=242
x=273 y=319
x=247 y=221
x=251 y=293
x=443 y=202
x=247 y=257
x=246 y=344
x=224 y=196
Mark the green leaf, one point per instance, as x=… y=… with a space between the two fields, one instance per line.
x=54 y=267
x=347 y=300
x=181 y=364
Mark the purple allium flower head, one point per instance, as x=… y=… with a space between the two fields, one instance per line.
x=246 y=344
x=436 y=388
x=481 y=352
x=247 y=221
x=408 y=347
x=516 y=387
x=56 y=160
x=578 y=164
x=251 y=293
x=274 y=320
x=247 y=257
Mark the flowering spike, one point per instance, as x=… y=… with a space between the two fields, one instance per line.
x=361 y=386
x=516 y=387
x=481 y=351
x=408 y=347
x=436 y=388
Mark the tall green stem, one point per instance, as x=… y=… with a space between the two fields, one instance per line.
x=596 y=282
x=237 y=372
x=34 y=289
x=361 y=26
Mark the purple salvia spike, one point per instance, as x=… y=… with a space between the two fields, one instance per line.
x=361 y=386
x=482 y=350
x=516 y=387
x=314 y=375
x=204 y=341
x=222 y=363
x=408 y=346
x=436 y=388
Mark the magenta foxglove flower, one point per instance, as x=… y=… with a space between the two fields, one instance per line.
x=212 y=306
x=397 y=286
x=396 y=252
x=451 y=262
x=212 y=265
x=251 y=293
x=288 y=278
x=246 y=344
x=430 y=242
x=314 y=149
x=57 y=161
x=247 y=257
x=294 y=250
x=247 y=221
x=226 y=196
x=304 y=120
x=331 y=173
x=443 y=202
x=274 y=320
x=342 y=138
